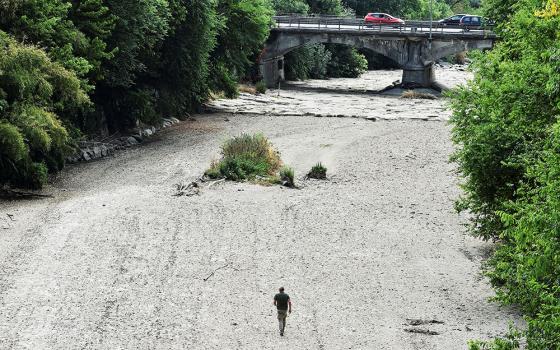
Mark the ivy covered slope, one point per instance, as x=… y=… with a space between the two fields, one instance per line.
x=506 y=126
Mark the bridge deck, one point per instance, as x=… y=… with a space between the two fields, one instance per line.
x=418 y=29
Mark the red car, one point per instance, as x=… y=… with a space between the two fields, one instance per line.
x=381 y=18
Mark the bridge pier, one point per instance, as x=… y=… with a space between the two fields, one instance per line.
x=415 y=76
x=272 y=71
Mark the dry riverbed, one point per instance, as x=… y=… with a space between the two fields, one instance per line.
x=373 y=258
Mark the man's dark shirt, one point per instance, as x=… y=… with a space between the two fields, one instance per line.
x=282 y=301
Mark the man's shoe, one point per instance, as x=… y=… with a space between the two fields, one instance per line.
x=281 y=334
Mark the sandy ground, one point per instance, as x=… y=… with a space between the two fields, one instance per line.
x=115 y=261
x=347 y=97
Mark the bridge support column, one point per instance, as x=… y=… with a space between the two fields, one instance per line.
x=272 y=71
x=418 y=76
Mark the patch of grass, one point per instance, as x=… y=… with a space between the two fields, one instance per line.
x=247 y=89
x=419 y=95
x=260 y=86
x=318 y=171
x=246 y=157
x=287 y=177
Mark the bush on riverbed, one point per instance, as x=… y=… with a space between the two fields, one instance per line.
x=318 y=171
x=246 y=157
x=287 y=176
x=260 y=86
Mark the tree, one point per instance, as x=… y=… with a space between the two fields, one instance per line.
x=140 y=28
x=240 y=37
x=34 y=91
x=290 y=6
x=182 y=74
x=505 y=124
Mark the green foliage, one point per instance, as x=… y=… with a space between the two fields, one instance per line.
x=318 y=171
x=395 y=8
x=500 y=10
x=526 y=269
x=290 y=6
x=245 y=157
x=440 y=9
x=184 y=67
x=287 y=176
x=140 y=26
x=309 y=61
x=243 y=27
x=506 y=126
x=326 y=7
x=509 y=342
x=346 y=62
x=411 y=9
x=260 y=86
x=32 y=90
x=48 y=24
x=500 y=119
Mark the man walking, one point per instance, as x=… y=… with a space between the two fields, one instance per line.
x=284 y=306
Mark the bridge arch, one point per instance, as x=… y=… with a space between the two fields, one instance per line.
x=280 y=44
x=414 y=52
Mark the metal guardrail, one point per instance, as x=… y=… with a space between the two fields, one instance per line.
x=341 y=23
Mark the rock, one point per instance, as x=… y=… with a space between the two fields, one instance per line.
x=148 y=132
x=175 y=120
x=104 y=151
x=132 y=141
x=86 y=156
x=97 y=152
x=138 y=137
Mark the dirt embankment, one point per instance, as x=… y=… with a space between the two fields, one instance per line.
x=373 y=258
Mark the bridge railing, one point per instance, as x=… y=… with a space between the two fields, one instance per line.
x=342 y=23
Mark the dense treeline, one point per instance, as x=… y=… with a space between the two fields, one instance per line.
x=506 y=124
x=69 y=68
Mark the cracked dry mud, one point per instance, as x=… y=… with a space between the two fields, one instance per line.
x=115 y=261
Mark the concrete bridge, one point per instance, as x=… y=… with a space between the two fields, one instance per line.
x=414 y=46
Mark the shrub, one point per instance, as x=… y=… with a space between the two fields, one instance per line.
x=318 y=171
x=509 y=342
x=287 y=177
x=33 y=89
x=505 y=123
x=260 y=86
x=245 y=157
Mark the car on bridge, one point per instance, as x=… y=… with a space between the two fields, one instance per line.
x=381 y=18
x=475 y=22
x=454 y=20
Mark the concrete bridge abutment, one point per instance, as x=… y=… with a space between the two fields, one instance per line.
x=272 y=71
x=418 y=76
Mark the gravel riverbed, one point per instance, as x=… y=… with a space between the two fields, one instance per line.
x=373 y=258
